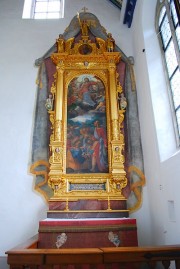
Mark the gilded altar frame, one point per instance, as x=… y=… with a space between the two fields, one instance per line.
x=72 y=60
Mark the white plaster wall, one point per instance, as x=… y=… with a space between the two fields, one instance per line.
x=161 y=155
x=23 y=41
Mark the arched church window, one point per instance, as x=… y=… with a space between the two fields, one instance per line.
x=169 y=35
x=43 y=9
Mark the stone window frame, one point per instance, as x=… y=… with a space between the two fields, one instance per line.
x=31 y=10
x=160 y=5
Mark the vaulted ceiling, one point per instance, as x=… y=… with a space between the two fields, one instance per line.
x=129 y=10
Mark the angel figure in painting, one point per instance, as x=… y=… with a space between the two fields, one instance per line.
x=84 y=93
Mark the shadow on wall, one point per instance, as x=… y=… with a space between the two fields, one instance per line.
x=3 y=263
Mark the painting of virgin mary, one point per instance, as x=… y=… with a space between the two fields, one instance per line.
x=86 y=126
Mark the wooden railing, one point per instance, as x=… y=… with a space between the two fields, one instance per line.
x=28 y=256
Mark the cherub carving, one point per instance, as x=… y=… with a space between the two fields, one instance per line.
x=49 y=102
x=122 y=101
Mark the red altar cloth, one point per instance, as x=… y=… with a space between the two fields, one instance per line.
x=82 y=233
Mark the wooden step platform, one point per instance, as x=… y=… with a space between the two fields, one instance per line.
x=87 y=233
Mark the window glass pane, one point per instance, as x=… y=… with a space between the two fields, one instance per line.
x=165 y=31
x=178 y=119
x=171 y=59
x=178 y=35
x=27 y=10
x=33 y=7
x=41 y=7
x=169 y=30
x=173 y=12
x=40 y=15
x=53 y=15
x=162 y=13
x=53 y=6
x=175 y=86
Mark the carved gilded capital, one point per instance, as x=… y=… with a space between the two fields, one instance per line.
x=60 y=67
x=112 y=68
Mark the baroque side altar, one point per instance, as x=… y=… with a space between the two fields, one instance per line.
x=85 y=93
x=85 y=133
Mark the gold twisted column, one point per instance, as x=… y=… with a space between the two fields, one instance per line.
x=113 y=100
x=59 y=93
x=59 y=105
x=56 y=146
x=118 y=177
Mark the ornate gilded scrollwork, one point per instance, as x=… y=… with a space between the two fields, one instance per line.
x=121 y=118
x=117 y=184
x=58 y=184
x=58 y=154
x=52 y=119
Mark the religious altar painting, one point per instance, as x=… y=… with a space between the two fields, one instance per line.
x=86 y=126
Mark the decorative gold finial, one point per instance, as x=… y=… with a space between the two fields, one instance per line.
x=84 y=9
x=60 y=44
x=84 y=25
x=110 y=43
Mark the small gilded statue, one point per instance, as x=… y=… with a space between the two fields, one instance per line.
x=84 y=26
x=60 y=44
x=122 y=101
x=49 y=102
x=110 y=43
